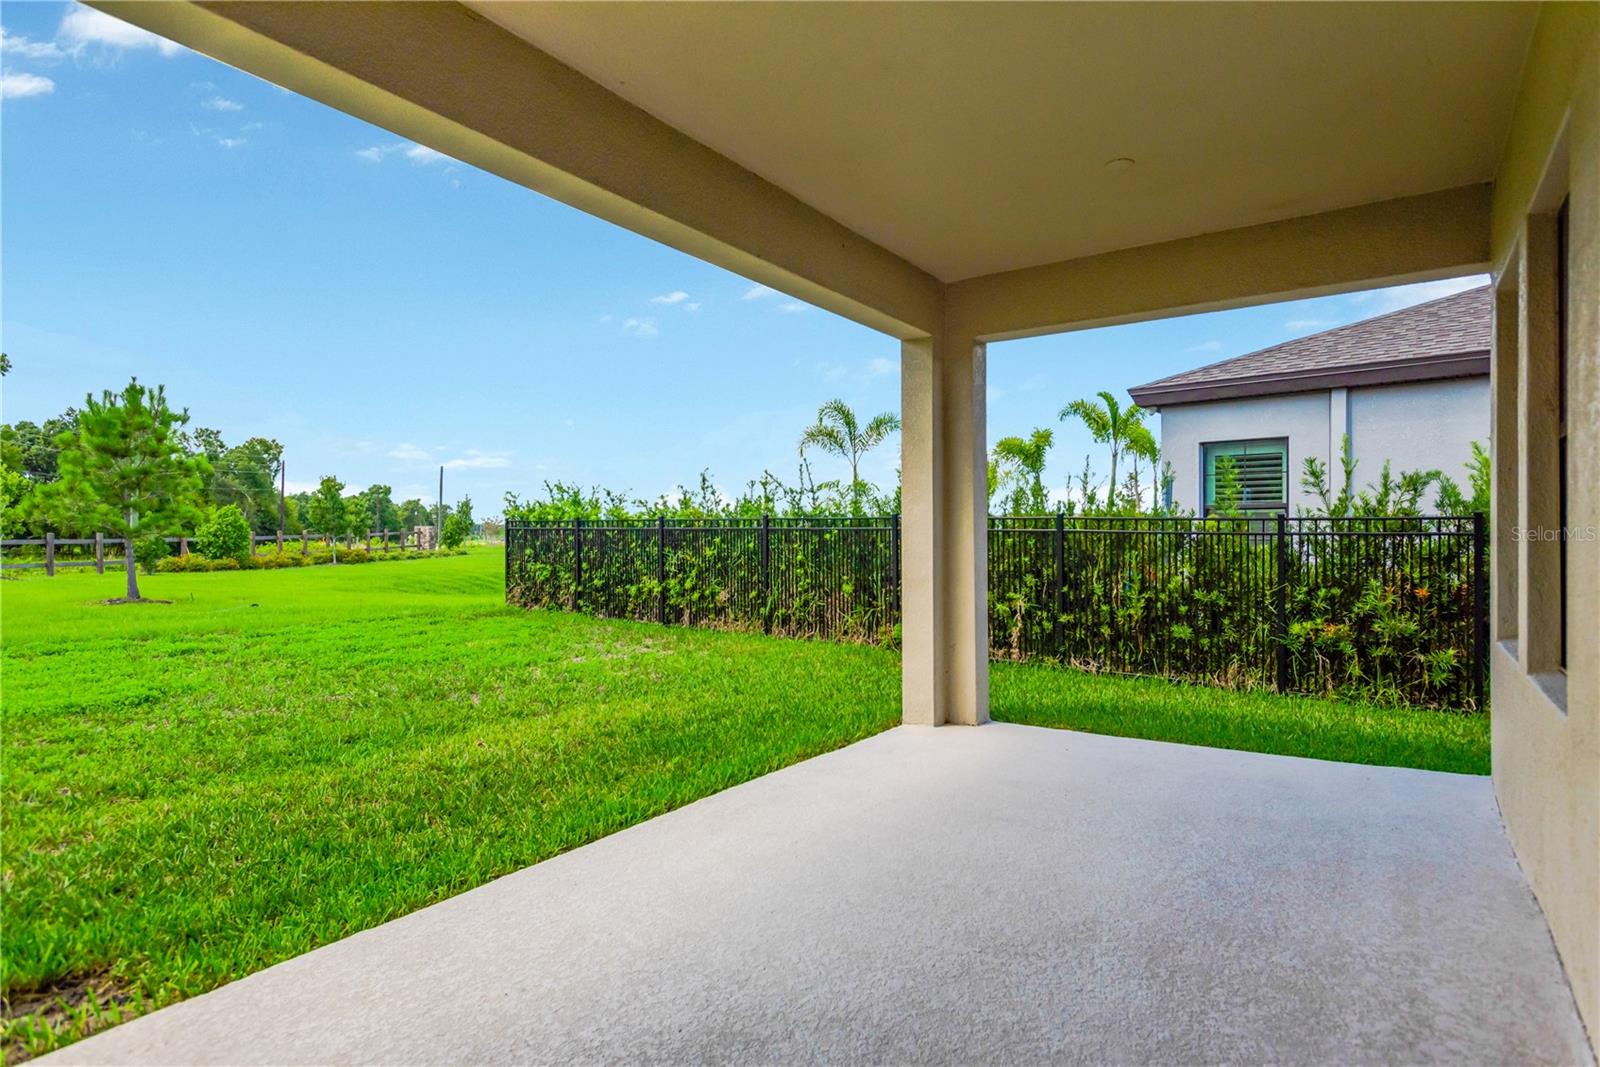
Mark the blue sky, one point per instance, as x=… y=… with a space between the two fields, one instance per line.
x=291 y=272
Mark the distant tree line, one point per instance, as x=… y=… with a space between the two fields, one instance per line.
x=246 y=475
x=127 y=464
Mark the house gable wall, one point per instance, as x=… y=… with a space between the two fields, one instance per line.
x=1418 y=426
x=1414 y=425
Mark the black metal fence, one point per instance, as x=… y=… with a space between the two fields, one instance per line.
x=1390 y=609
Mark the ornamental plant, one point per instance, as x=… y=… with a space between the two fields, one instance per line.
x=225 y=535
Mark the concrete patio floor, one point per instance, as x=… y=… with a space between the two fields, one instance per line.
x=997 y=894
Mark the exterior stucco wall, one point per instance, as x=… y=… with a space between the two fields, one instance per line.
x=1418 y=426
x=1187 y=428
x=1546 y=723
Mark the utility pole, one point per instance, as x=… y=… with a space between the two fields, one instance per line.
x=283 y=483
x=438 y=531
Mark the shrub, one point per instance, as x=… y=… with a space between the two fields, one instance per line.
x=149 y=551
x=226 y=535
x=455 y=531
x=194 y=564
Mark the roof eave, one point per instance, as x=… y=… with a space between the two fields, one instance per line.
x=1387 y=372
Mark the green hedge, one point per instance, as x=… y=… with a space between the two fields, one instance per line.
x=197 y=564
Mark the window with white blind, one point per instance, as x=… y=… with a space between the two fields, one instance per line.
x=1262 y=471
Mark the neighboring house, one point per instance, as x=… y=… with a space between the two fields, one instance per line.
x=1410 y=387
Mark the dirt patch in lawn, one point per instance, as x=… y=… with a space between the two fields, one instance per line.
x=77 y=1004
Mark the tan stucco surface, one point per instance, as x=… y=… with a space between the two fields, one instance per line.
x=1546 y=741
x=972 y=138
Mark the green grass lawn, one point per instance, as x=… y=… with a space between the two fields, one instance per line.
x=193 y=791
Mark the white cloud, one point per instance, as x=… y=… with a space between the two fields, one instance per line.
x=1309 y=324
x=1205 y=346
x=677 y=296
x=407 y=451
x=758 y=292
x=1382 y=301
x=792 y=307
x=221 y=103
x=422 y=155
x=15 y=46
x=857 y=373
x=641 y=327
x=232 y=142
x=15 y=85
x=475 y=460
x=85 y=26
x=692 y=306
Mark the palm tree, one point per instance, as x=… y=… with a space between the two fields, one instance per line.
x=1141 y=444
x=1110 y=424
x=839 y=434
x=1021 y=460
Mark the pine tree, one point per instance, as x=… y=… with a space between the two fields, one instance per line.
x=124 y=470
x=328 y=513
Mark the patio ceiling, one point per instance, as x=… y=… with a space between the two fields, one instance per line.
x=970 y=139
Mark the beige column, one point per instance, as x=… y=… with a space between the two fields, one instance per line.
x=944 y=532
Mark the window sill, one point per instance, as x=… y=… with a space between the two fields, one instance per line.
x=1552 y=685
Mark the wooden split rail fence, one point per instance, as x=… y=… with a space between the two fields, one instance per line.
x=388 y=541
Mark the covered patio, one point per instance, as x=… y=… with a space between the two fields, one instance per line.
x=1002 y=895
x=954 y=175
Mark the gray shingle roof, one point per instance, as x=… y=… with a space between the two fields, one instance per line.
x=1444 y=338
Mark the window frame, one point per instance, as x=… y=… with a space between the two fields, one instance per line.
x=1239 y=446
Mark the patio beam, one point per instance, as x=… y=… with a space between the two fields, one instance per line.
x=944 y=538
x=524 y=115
x=1415 y=238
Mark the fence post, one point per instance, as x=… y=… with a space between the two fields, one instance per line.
x=49 y=554
x=305 y=543
x=577 y=563
x=894 y=565
x=1280 y=626
x=661 y=569
x=99 y=553
x=183 y=546
x=1059 y=560
x=1480 y=611
x=766 y=573
x=280 y=540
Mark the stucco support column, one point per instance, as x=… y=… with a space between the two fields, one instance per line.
x=944 y=535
